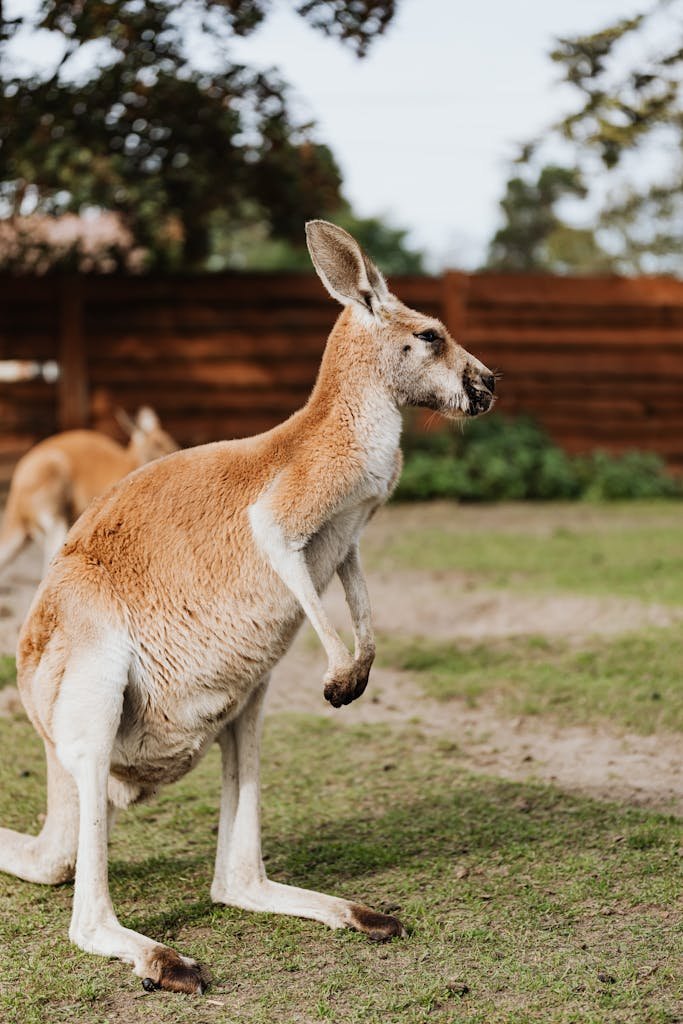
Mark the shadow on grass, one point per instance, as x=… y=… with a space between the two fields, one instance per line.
x=523 y=828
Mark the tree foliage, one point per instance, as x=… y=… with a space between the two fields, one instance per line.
x=626 y=137
x=157 y=139
x=622 y=106
x=251 y=247
x=533 y=235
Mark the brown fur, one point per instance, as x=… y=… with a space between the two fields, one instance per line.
x=169 y=971
x=378 y=927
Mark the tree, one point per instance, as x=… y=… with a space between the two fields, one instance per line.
x=163 y=143
x=252 y=247
x=629 y=76
x=533 y=236
x=629 y=115
x=622 y=106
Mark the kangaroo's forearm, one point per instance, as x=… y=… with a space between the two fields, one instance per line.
x=357 y=598
x=289 y=562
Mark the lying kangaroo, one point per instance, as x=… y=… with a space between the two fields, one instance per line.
x=54 y=482
x=156 y=628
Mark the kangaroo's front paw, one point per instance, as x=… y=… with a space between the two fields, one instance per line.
x=340 y=686
x=347 y=684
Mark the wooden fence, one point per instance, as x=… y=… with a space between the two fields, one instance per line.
x=598 y=361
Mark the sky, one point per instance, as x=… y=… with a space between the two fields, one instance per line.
x=425 y=126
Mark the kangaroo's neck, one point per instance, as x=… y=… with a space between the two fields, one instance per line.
x=349 y=393
x=351 y=408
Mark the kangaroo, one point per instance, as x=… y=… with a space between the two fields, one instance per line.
x=56 y=481
x=155 y=631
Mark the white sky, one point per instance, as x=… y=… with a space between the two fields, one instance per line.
x=424 y=127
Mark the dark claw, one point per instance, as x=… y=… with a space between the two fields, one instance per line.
x=360 y=687
x=149 y=985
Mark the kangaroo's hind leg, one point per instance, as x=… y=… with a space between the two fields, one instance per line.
x=50 y=857
x=85 y=722
x=11 y=543
x=240 y=879
x=54 y=530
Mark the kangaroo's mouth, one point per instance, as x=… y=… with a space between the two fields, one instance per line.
x=479 y=398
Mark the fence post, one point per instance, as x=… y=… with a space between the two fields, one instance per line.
x=455 y=285
x=73 y=411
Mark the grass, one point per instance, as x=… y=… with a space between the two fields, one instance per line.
x=8 y=670
x=636 y=561
x=524 y=903
x=633 y=680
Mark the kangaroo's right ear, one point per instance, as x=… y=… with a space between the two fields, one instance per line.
x=342 y=266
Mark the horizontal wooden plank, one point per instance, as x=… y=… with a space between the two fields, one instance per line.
x=591 y=336
x=179 y=319
x=230 y=372
x=198 y=346
x=496 y=288
x=173 y=398
x=666 y=447
x=563 y=360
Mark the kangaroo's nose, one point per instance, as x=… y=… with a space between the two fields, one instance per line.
x=489 y=383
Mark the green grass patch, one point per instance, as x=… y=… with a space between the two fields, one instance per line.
x=637 y=561
x=633 y=680
x=524 y=903
x=8 y=670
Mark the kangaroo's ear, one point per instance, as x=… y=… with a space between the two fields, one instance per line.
x=342 y=266
x=146 y=420
x=124 y=421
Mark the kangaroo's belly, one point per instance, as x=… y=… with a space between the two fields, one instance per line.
x=191 y=678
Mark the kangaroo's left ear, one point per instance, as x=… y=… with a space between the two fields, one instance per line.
x=146 y=419
x=346 y=271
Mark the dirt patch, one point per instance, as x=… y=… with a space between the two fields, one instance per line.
x=446 y=605
x=640 y=770
x=538 y=519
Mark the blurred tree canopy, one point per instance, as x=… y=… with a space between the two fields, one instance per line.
x=252 y=247
x=179 y=153
x=625 y=138
x=534 y=236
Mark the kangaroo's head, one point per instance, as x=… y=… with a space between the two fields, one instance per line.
x=148 y=439
x=417 y=359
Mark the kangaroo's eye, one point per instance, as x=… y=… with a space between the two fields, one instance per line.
x=430 y=336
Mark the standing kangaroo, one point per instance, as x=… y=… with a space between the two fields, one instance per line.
x=156 y=628
x=56 y=481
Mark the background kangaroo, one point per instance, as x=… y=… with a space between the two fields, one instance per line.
x=56 y=481
x=156 y=628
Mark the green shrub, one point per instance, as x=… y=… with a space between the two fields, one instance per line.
x=634 y=475
x=499 y=459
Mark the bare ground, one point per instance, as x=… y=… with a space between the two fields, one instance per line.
x=604 y=764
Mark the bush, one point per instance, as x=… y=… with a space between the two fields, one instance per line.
x=498 y=459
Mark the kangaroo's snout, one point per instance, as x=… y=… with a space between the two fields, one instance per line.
x=479 y=388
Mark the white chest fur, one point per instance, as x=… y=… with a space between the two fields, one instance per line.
x=378 y=429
